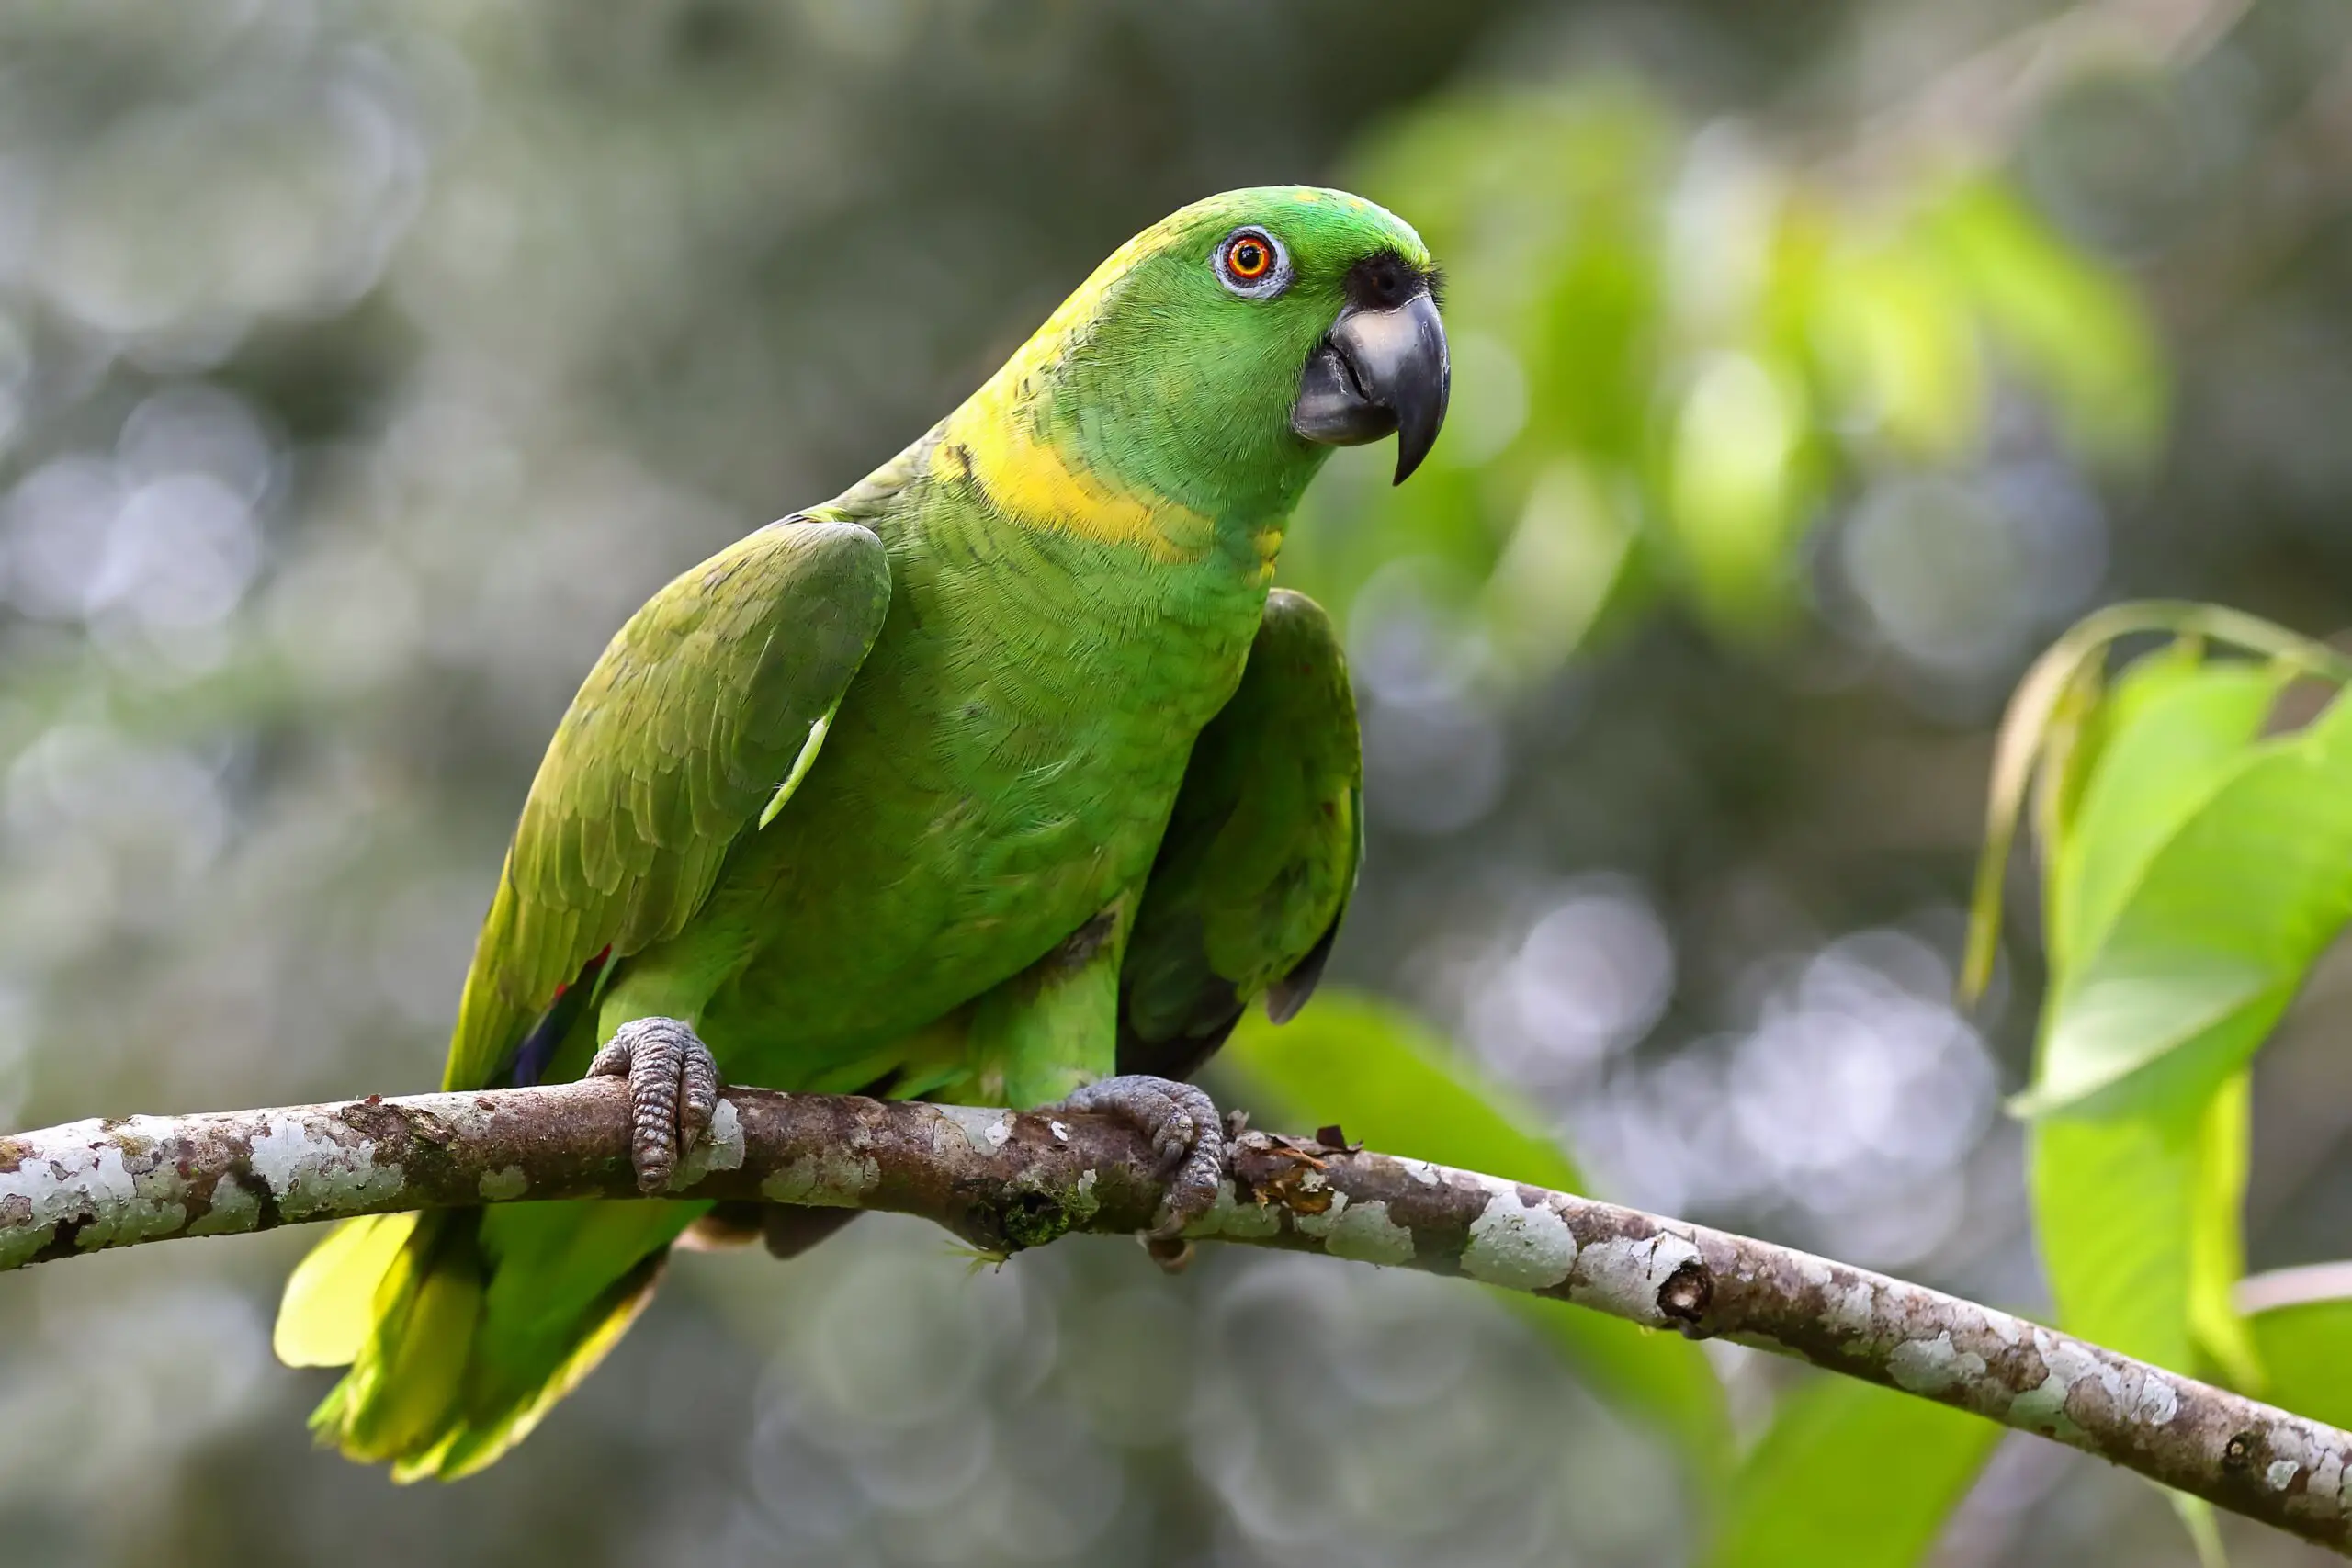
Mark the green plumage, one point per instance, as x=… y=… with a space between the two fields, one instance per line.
x=895 y=791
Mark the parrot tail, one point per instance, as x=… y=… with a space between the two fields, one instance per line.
x=453 y=1358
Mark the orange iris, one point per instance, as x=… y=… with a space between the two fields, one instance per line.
x=1249 y=258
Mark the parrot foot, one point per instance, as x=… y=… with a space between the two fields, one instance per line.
x=1186 y=1135
x=673 y=1089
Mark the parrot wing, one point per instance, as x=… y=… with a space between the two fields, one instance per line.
x=694 y=726
x=1259 y=855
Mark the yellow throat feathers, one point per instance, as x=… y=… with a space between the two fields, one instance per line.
x=996 y=438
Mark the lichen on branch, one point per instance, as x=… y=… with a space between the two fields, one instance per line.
x=1004 y=1181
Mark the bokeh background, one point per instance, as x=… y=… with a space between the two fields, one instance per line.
x=362 y=365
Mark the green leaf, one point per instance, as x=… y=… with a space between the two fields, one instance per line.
x=2138 y=1202
x=2055 y=727
x=2113 y=1202
x=1389 y=1082
x=2217 y=1236
x=2301 y=1323
x=2118 y=1022
x=2174 y=729
x=1852 y=1474
x=2198 y=906
x=2197 y=875
x=2140 y=1223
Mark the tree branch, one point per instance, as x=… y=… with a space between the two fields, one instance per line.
x=1004 y=1181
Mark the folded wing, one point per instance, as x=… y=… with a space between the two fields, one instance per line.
x=1260 y=856
x=693 y=729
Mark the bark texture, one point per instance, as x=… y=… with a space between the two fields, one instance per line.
x=1006 y=1181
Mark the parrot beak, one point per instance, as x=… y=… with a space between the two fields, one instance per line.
x=1376 y=372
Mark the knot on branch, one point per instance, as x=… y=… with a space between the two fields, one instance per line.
x=1685 y=1296
x=1033 y=1219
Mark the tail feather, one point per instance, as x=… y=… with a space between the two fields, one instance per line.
x=330 y=1299
x=491 y=1427
x=406 y=1380
x=457 y=1337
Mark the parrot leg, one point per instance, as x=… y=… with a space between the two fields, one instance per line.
x=673 y=1089
x=1048 y=1038
x=1187 y=1135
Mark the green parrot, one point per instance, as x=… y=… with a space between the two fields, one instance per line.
x=1004 y=777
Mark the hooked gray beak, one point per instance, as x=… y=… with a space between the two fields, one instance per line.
x=1377 y=372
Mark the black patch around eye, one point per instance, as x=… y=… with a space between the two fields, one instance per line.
x=1385 y=280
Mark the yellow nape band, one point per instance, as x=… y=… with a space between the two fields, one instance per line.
x=1037 y=484
x=996 y=439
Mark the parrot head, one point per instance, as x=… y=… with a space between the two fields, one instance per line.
x=1292 y=309
x=1210 y=364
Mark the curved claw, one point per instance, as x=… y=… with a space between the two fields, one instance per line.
x=673 y=1091
x=1187 y=1138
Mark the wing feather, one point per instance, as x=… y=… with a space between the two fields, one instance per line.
x=679 y=736
x=1260 y=856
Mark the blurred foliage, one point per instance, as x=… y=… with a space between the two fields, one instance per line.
x=1676 y=352
x=1386 y=1082
x=361 y=366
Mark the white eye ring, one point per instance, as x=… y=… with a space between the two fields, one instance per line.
x=1267 y=284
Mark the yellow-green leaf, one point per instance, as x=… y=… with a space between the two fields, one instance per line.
x=2301 y=1323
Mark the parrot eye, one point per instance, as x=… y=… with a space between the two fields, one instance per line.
x=1252 y=264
